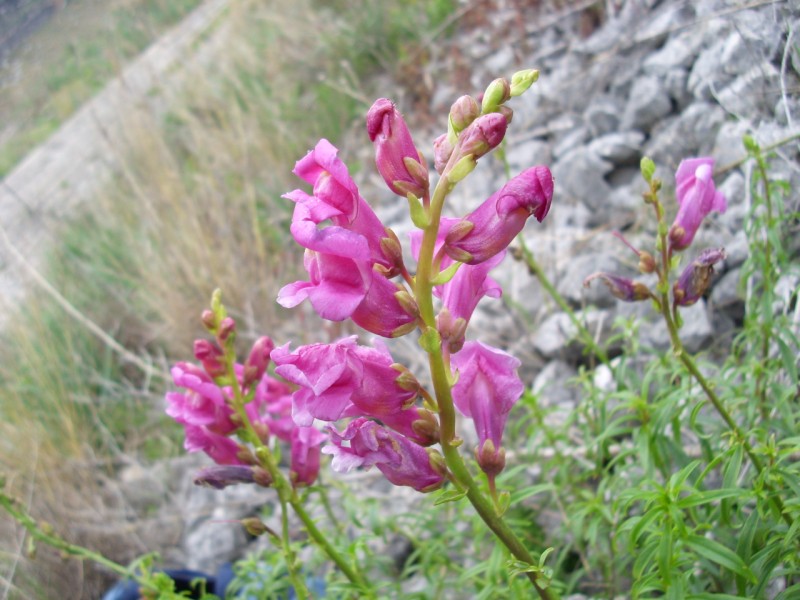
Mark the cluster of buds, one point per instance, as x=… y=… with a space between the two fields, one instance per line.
x=356 y=272
x=697 y=197
x=216 y=395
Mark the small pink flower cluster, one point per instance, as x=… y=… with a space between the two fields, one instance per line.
x=205 y=410
x=356 y=271
x=697 y=197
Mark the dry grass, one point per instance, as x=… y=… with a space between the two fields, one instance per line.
x=196 y=206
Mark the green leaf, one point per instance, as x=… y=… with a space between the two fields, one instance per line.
x=720 y=555
x=430 y=340
x=446 y=275
x=449 y=496
x=698 y=498
x=788 y=357
x=712 y=596
x=419 y=216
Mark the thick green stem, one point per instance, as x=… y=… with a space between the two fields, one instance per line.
x=288 y=495
x=447 y=414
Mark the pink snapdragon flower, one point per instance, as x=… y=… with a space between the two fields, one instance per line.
x=365 y=443
x=697 y=197
x=399 y=161
x=203 y=404
x=696 y=277
x=342 y=288
x=336 y=198
x=305 y=455
x=344 y=379
x=487 y=388
x=492 y=226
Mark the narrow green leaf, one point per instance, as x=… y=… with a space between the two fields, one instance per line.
x=719 y=554
x=449 y=496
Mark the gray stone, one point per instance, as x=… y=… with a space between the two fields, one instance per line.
x=622 y=148
x=727 y=296
x=569 y=141
x=526 y=154
x=692 y=133
x=675 y=84
x=753 y=93
x=553 y=385
x=648 y=102
x=570 y=283
x=679 y=51
x=557 y=335
x=717 y=65
x=602 y=115
x=728 y=145
x=580 y=175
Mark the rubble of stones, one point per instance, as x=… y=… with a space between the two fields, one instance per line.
x=668 y=80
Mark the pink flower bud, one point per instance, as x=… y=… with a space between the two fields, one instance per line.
x=442 y=151
x=226 y=328
x=483 y=135
x=697 y=197
x=489 y=229
x=210 y=356
x=398 y=160
x=463 y=112
x=258 y=361
x=621 y=287
x=696 y=277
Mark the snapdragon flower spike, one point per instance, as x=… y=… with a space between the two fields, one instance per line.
x=623 y=288
x=490 y=228
x=305 y=455
x=399 y=161
x=487 y=388
x=696 y=277
x=365 y=443
x=697 y=197
x=344 y=379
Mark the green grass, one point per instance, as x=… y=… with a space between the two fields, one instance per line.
x=70 y=59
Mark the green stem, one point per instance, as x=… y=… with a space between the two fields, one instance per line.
x=741 y=161
x=38 y=532
x=688 y=362
x=288 y=495
x=767 y=287
x=447 y=415
x=537 y=271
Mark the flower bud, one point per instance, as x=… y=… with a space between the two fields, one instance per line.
x=442 y=151
x=522 y=80
x=257 y=362
x=463 y=112
x=395 y=151
x=507 y=112
x=482 y=136
x=262 y=477
x=211 y=358
x=497 y=94
x=226 y=328
x=209 y=320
